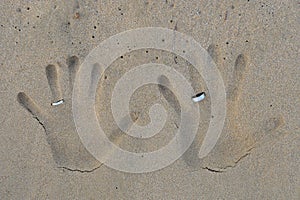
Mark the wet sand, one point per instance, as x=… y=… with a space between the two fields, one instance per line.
x=255 y=46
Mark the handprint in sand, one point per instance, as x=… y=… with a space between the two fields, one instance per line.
x=57 y=119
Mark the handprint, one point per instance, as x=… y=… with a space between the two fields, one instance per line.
x=57 y=120
x=236 y=142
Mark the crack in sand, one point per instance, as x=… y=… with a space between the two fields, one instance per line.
x=40 y=122
x=223 y=169
x=79 y=170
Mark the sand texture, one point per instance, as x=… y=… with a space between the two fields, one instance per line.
x=255 y=46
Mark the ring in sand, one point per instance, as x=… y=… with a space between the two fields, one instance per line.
x=56 y=103
x=199 y=97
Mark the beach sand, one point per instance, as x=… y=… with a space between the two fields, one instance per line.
x=255 y=45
